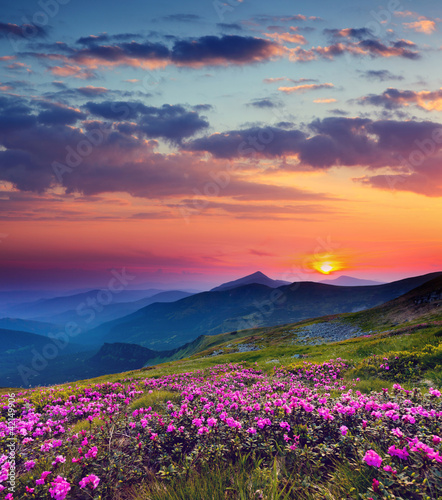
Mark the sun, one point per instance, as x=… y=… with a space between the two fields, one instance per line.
x=326 y=268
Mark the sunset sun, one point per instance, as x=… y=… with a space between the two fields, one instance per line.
x=326 y=268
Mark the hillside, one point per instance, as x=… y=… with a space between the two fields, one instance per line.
x=168 y=326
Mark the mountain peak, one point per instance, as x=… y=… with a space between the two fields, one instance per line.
x=255 y=278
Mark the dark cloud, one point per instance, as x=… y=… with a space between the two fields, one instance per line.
x=381 y=75
x=99 y=158
x=172 y=122
x=54 y=114
x=356 y=33
x=230 y=26
x=218 y=50
x=105 y=37
x=22 y=31
x=411 y=146
x=263 y=103
x=255 y=141
x=393 y=99
x=197 y=52
x=367 y=47
x=202 y=107
x=183 y=18
x=41 y=147
x=90 y=91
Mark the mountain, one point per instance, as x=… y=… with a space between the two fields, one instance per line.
x=112 y=358
x=423 y=303
x=169 y=325
x=30 y=358
x=258 y=278
x=93 y=316
x=48 y=307
x=350 y=281
x=27 y=325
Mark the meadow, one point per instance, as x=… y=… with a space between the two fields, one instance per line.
x=356 y=419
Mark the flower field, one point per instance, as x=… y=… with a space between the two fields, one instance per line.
x=298 y=432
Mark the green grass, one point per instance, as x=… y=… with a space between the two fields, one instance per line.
x=156 y=400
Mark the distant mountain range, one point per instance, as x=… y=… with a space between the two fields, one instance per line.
x=167 y=326
x=30 y=359
x=350 y=281
x=81 y=308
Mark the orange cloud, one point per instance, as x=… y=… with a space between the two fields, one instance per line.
x=287 y=37
x=300 y=89
x=422 y=26
x=324 y=101
x=71 y=70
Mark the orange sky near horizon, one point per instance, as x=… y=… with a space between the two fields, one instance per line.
x=380 y=234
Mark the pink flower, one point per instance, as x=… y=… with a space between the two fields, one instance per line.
x=434 y=392
x=251 y=430
x=388 y=468
x=372 y=458
x=198 y=422
x=401 y=453
x=211 y=422
x=60 y=488
x=343 y=430
x=59 y=459
x=92 y=453
x=436 y=439
x=170 y=428
x=397 y=432
x=375 y=484
x=92 y=481
x=30 y=464
x=44 y=475
x=285 y=425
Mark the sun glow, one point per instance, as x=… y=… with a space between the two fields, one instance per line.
x=327 y=263
x=325 y=268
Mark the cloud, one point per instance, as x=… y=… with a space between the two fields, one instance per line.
x=183 y=18
x=301 y=89
x=105 y=37
x=394 y=98
x=212 y=50
x=264 y=18
x=368 y=47
x=171 y=122
x=90 y=90
x=57 y=114
x=230 y=26
x=263 y=103
x=381 y=75
x=287 y=37
x=412 y=150
x=22 y=31
x=423 y=25
x=324 y=101
x=192 y=53
x=357 y=33
x=73 y=71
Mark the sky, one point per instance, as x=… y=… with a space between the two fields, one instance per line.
x=190 y=143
